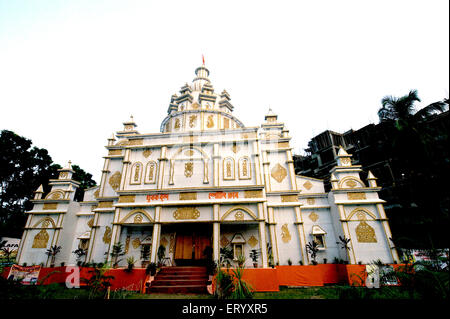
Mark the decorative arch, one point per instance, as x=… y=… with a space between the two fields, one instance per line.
x=190 y=149
x=245 y=168
x=351 y=182
x=229 y=168
x=151 y=171
x=136 y=173
x=45 y=221
x=135 y=212
x=248 y=211
x=363 y=210
x=56 y=194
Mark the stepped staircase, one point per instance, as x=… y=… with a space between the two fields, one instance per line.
x=185 y=279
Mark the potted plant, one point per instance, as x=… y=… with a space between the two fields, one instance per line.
x=254 y=254
x=344 y=243
x=80 y=253
x=312 y=248
x=117 y=251
x=130 y=261
x=52 y=252
x=145 y=255
x=241 y=261
x=289 y=262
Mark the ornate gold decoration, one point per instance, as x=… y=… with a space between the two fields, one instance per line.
x=90 y=223
x=41 y=239
x=50 y=206
x=283 y=144
x=252 y=241
x=192 y=121
x=136 y=243
x=235 y=148
x=55 y=195
x=46 y=223
x=365 y=233
x=122 y=142
x=253 y=194
x=105 y=204
x=239 y=215
x=195 y=106
x=224 y=242
x=248 y=135
x=138 y=141
x=151 y=172
x=210 y=122
x=172 y=243
x=177 y=124
x=186 y=213
x=226 y=123
x=138 y=219
x=307 y=185
x=188 y=196
x=97 y=193
x=244 y=168
x=107 y=235
x=147 y=152
x=313 y=216
x=137 y=172
x=346 y=161
x=164 y=241
x=351 y=183
x=285 y=235
x=356 y=196
x=62 y=175
x=114 y=180
x=115 y=152
x=189 y=153
x=310 y=201
x=128 y=127
x=127 y=244
x=127 y=198
x=289 y=198
x=188 y=169
x=278 y=173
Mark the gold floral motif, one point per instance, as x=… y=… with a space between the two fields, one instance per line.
x=307 y=185
x=138 y=219
x=278 y=173
x=365 y=233
x=224 y=242
x=137 y=172
x=41 y=239
x=289 y=198
x=192 y=121
x=107 y=235
x=105 y=204
x=127 y=244
x=313 y=216
x=114 y=180
x=62 y=175
x=239 y=215
x=128 y=127
x=210 y=122
x=346 y=161
x=136 y=243
x=253 y=194
x=55 y=195
x=351 y=183
x=127 y=198
x=164 y=241
x=252 y=241
x=195 y=105
x=115 y=152
x=285 y=235
x=122 y=142
x=177 y=124
x=188 y=196
x=46 y=223
x=50 y=206
x=189 y=153
x=310 y=201
x=147 y=152
x=356 y=196
x=172 y=243
x=186 y=213
x=283 y=144
x=188 y=169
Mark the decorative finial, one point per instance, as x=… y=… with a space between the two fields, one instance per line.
x=70 y=164
x=203 y=59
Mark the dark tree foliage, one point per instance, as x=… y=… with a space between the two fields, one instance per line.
x=84 y=178
x=23 y=168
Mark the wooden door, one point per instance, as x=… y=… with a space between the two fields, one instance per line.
x=191 y=245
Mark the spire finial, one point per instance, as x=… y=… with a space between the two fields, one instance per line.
x=203 y=59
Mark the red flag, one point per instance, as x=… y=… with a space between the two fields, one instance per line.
x=203 y=58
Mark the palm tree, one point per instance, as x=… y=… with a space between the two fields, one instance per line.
x=52 y=252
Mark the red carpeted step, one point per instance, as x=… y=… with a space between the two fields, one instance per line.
x=186 y=279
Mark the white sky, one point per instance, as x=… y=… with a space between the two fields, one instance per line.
x=72 y=71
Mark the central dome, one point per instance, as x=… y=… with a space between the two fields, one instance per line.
x=199 y=108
